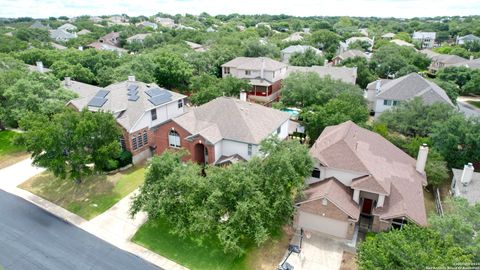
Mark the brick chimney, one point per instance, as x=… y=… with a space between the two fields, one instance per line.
x=131 y=78
x=67 y=81
x=40 y=66
x=467 y=174
x=422 y=158
x=243 y=96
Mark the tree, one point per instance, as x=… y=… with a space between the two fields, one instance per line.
x=68 y=142
x=11 y=70
x=389 y=59
x=458 y=75
x=473 y=85
x=62 y=69
x=457 y=138
x=206 y=87
x=254 y=48
x=239 y=204
x=326 y=40
x=460 y=223
x=171 y=71
x=306 y=59
x=410 y=248
x=450 y=88
x=359 y=45
x=364 y=74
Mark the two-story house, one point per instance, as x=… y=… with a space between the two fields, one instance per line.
x=264 y=74
x=109 y=42
x=224 y=130
x=137 y=107
x=426 y=39
x=443 y=61
x=383 y=94
x=361 y=181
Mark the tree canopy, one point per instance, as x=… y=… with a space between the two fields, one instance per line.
x=307 y=59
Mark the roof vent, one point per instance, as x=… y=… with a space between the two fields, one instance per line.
x=131 y=78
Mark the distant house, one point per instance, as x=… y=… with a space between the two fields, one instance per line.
x=224 y=130
x=95 y=19
x=363 y=31
x=337 y=60
x=264 y=74
x=471 y=63
x=61 y=35
x=137 y=107
x=361 y=182
x=400 y=42
x=184 y=27
x=297 y=36
x=388 y=36
x=466 y=39
x=426 y=39
x=58 y=46
x=165 y=22
x=344 y=74
x=68 y=27
x=384 y=94
x=152 y=25
x=429 y=53
x=39 y=25
x=466 y=184
x=138 y=38
x=290 y=50
x=109 y=42
x=38 y=68
x=444 y=60
x=211 y=30
x=118 y=19
x=83 y=32
x=360 y=39
x=196 y=47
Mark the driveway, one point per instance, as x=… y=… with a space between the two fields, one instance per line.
x=468 y=109
x=31 y=238
x=319 y=252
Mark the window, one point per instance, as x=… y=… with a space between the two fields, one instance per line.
x=226 y=70
x=122 y=143
x=134 y=143
x=387 y=102
x=396 y=102
x=279 y=129
x=249 y=150
x=139 y=140
x=248 y=72
x=145 y=137
x=180 y=103
x=174 y=139
x=316 y=173
x=154 y=114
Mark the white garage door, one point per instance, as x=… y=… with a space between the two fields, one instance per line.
x=323 y=224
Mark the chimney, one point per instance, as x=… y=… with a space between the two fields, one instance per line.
x=40 y=66
x=263 y=68
x=325 y=63
x=67 y=81
x=471 y=57
x=131 y=78
x=467 y=174
x=243 y=96
x=422 y=158
x=80 y=48
x=378 y=86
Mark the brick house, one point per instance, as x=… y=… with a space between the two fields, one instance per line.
x=361 y=182
x=224 y=130
x=136 y=106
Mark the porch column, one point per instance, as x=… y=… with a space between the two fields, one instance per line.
x=356 y=195
x=381 y=199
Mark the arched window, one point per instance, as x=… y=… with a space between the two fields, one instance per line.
x=173 y=139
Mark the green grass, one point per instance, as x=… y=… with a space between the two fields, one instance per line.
x=474 y=103
x=92 y=197
x=9 y=152
x=154 y=235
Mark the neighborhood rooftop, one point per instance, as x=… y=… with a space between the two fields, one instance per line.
x=254 y=63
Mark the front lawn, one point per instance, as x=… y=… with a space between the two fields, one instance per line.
x=10 y=153
x=93 y=196
x=474 y=103
x=155 y=236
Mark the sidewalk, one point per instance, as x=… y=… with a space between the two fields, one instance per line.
x=113 y=226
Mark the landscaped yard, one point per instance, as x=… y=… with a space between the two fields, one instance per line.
x=9 y=152
x=474 y=103
x=92 y=197
x=155 y=236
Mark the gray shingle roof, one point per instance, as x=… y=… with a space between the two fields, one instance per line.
x=469 y=37
x=413 y=85
x=117 y=100
x=473 y=64
x=344 y=74
x=232 y=119
x=61 y=34
x=448 y=59
x=300 y=49
x=254 y=63
x=351 y=54
x=422 y=35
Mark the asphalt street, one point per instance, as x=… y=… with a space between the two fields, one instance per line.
x=31 y=238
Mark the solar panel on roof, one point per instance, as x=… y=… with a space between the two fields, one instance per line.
x=154 y=92
x=97 y=102
x=132 y=87
x=132 y=93
x=133 y=98
x=102 y=93
x=160 y=99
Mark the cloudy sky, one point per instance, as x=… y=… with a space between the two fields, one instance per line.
x=379 y=8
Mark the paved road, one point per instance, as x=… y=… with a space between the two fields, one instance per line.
x=31 y=238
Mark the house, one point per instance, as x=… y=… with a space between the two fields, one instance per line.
x=264 y=74
x=337 y=60
x=118 y=19
x=95 y=19
x=388 y=36
x=426 y=39
x=68 y=27
x=211 y=30
x=363 y=31
x=137 y=107
x=466 y=184
x=184 y=27
x=360 y=39
x=290 y=50
x=109 y=42
x=471 y=63
x=152 y=25
x=297 y=36
x=466 y=39
x=38 y=67
x=39 y=25
x=61 y=35
x=165 y=22
x=429 y=53
x=138 y=38
x=363 y=182
x=222 y=131
x=344 y=74
x=384 y=94
x=58 y=46
x=400 y=42
x=83 y=32
x=196 y=47
x=444 y=60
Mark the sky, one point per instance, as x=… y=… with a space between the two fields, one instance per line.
x=363 y=8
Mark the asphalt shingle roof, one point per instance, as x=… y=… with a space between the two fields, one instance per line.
x=254 y=63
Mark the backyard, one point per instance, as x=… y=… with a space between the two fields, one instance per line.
x=9 y=152
x=155 y=235
x=93 y=196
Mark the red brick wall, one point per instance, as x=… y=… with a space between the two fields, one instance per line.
x=161 y=141
x=129 y=136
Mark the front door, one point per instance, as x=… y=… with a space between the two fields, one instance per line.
x=367 y=206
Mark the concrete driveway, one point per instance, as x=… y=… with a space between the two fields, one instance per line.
x=319 y=252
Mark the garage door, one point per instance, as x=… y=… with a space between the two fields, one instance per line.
x=323 y=224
